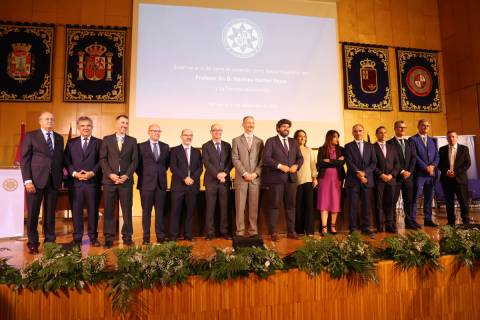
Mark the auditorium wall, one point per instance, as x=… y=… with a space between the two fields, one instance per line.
x=412 y=23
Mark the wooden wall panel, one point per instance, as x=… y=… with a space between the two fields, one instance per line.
x=286 y=295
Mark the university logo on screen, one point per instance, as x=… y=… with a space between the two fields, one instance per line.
x=242 y=38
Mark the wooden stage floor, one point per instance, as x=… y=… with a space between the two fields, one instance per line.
x=18 y=253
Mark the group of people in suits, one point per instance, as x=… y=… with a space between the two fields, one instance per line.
x=286 y=166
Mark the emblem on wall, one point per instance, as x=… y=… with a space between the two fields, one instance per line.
x=94 y=69
x=418 y=80
x=26 y=62
x=366 y=77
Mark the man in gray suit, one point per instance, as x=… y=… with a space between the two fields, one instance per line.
x=247 y=152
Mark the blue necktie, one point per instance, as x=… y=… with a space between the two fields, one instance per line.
x=49 y=142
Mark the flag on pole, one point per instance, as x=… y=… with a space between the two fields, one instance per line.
x=18 y=154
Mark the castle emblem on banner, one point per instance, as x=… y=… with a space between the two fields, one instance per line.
x=366 y=77
x=26 y=51
x=20 y=62
x=94 y=68
x=95 y=65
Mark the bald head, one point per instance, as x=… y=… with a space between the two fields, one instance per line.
x=154 y=132
x=46 y=121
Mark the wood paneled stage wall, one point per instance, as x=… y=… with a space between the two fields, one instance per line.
x=286 y=295
x=412 y=23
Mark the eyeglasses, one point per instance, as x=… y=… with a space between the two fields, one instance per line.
x=156 y=131
x=402 y=128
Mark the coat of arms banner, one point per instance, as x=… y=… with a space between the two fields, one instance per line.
x=94 y=67
x=418 y=85
x=26 y=62
x=366 y=79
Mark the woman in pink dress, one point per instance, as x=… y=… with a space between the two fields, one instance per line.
x=331 y=173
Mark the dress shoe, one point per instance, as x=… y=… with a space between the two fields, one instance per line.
x=252 y=235
x=76 y=243
x=129 y=242
x=209 y=237
x=293 y=236
x=108 y=244
x=94 y=242
x=227 y=237
x=430 y=223
x=174 y=239
x=32 y=249
x=274 y=237
x=189 y=239
x=380 y=229
x=410 y=226
x=161 y=240
x=367 y=232
x=418 y=225
x=391 y=230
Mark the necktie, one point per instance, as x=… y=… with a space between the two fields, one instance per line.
x=402 y=144
x=186 y=155
x=156 y=154
x=49 y=142
x=219 y=151
x=85 y=144
x=424 y=139
x=360 y=147
x=452 y=157
x=249 y=142
x=384 y=149
x=119 y=143
x=285 y=145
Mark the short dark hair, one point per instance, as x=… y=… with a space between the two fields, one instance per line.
x=451 y=131
x=84 y=118
x=378 y=129
x=281 y=122
x=121 y=116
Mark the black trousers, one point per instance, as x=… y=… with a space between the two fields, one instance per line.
x=150 y=199
x=384 y=209
x=355 y=195
x=278 y=193
x=180 y=199
x=34 y=200
x=406 y=187
x=452 y=188
x=124 y=192
x=212 y=193
x=85 y=195
x=304 y=221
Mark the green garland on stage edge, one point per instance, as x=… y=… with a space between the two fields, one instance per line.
x=168 y=264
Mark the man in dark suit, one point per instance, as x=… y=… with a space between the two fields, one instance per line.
x=454 y=163
x=361 y=163
x=186 y=166
x=42 y=165
x=404 y=182
x=385 y=175
x=281 y=160
x=425 y=171
x=83 y=164
x=153 y=161
x=118 y=159
x=217 y=159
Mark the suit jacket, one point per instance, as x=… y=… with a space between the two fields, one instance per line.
x=460 y=166
x=152 y=173
x=214 y=165
x=181 y=168
x=355 y=162
x=274 y=154
x=426 y=155
x=386 y=165
x=338 y=164
x=77 y=160
x=408 y=161
x=245 y=160
x=37 y=162
x=112 y=160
